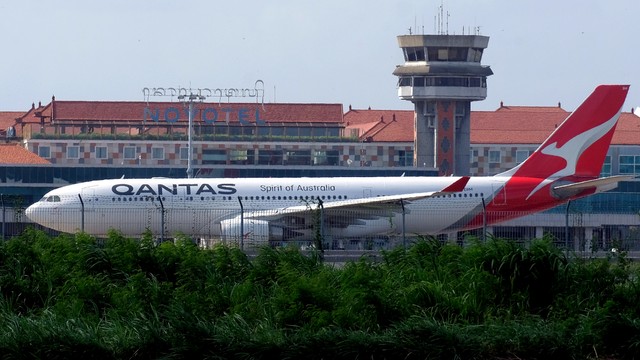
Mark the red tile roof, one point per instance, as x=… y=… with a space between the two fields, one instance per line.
x=506 y=125
x=532 y=125
x=515 y=124
x=135 y=111
x=381 y=125
x=628 y=130
x=8 y=118
x=16 y=154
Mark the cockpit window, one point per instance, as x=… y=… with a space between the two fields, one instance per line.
x=53 y=198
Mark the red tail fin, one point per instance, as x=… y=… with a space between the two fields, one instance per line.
x=579 y=145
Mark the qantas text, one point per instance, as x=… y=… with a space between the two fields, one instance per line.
x=165 y=189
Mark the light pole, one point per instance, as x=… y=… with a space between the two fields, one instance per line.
x=191 y=98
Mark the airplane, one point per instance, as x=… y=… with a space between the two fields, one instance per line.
x=565 y=167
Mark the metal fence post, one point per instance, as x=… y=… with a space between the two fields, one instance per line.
x=161 y=219
x=484 y=221
x=404 y=226
x=321 y=207
x=241 y=223
x=566 y=227
x=3 y=215
x=81 y=213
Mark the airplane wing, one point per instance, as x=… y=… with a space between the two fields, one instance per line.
x=599 y=185
x=355 y=204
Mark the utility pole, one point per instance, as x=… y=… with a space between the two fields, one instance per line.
x=191 y=98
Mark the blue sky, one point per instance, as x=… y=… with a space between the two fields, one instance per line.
x=333 y=51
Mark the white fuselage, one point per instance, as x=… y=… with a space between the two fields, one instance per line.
x=199 y=207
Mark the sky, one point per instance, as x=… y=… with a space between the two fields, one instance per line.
x=332 y=51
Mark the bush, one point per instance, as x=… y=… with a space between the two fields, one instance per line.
x=75 y=296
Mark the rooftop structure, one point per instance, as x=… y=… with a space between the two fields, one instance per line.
x=441 y=75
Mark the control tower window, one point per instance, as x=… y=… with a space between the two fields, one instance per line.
x=429 y=107
x=448 y=54
x=476 y=55
x=458 y=54
x=404 y=81
x=414 y=54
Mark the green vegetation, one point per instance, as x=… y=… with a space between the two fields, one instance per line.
x=73 y=296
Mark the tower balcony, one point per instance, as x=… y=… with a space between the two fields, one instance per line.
x=412 y=93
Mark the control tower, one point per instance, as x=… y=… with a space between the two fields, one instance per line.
x=441 y=76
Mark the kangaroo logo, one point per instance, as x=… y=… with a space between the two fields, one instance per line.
x=571 y=151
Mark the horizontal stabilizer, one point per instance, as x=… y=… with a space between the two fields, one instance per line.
x=599 y=185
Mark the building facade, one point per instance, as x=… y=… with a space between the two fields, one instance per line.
x=82 y=141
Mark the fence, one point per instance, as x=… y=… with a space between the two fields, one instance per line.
x=372 y=228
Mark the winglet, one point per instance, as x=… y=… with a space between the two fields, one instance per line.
x=456 y=186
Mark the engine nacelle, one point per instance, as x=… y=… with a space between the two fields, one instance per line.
x=251 y=230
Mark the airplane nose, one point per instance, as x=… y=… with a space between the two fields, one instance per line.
x=31 y=213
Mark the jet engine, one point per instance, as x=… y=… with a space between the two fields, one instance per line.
x=252 y=230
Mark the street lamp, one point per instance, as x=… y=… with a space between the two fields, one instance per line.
x=191 y=98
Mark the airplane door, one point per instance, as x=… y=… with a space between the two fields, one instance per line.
x=366 y=192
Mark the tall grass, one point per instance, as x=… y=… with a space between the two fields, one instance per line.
x=122 y=298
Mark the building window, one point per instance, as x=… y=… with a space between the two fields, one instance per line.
x=333 y=131
x=326 y=157
x=184 y=153
x=405 y=158
x=606 y=167
x=318 y=132
x=291 y=131
x=129 y=152
x=44 y=152
x=101 y=152
x=477 y=54
x=214 y=156
x=429 y=107
x=270 y=157
x=521 y=156
x=414 y=54
x=73 y=152
x=459 y=121
x=305 y=131
x=443 y=54
x=157 y=153
x=242 y=157
x=404 y=81
x=629 y=164
x=494 y=157
x=298 y=157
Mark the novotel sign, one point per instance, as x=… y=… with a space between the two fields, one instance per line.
x=209 y=115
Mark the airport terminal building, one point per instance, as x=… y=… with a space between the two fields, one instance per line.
x=66 y=142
